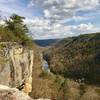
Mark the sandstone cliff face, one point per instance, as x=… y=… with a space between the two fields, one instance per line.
x=7 y=93
x=16 y=64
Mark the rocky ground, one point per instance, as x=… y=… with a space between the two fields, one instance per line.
x=7 y=93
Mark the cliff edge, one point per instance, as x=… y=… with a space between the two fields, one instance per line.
x=16 y=64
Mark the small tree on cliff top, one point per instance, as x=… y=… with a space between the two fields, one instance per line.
x=16 y=24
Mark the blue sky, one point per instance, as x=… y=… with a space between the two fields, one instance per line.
x=55 y=18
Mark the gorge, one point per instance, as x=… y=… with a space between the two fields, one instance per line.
x=32 y=72
x=65 y=69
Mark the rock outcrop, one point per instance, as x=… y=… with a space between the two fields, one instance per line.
x=7 y=93
x=16 y=64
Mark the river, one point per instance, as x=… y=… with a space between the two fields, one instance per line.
x=45 y=65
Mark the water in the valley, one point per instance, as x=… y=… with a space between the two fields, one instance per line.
x=44 y=63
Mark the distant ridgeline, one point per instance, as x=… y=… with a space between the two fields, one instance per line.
x=46 y=42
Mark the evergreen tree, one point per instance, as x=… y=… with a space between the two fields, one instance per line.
x=16 y=24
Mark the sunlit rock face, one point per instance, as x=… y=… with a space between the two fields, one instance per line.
x=7 y=93
x=16 y=64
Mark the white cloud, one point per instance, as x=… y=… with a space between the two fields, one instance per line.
x=85 y=28
x=42 y=28
x=52 y=23
x=79 y=18
x=31 y=3
x=47 y=13
x=57 y=13
x=62 y=9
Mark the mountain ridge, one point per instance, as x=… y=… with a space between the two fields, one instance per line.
x=46 y=42
x=82 y=51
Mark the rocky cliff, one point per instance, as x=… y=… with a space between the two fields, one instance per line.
x=7 y=93
x=16 y=64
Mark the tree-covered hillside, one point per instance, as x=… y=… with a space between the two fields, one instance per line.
x=76 y=57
